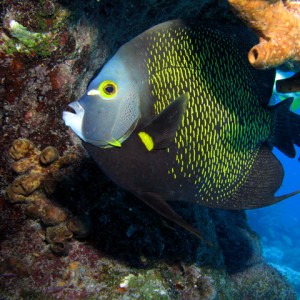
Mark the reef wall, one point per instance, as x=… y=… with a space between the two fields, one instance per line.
x=86 y=238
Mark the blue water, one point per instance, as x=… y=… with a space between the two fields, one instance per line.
x=279 y=224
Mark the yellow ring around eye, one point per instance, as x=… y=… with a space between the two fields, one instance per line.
x=108 y=89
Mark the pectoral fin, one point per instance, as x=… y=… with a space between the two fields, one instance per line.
x=163 y=208
x=160 y=132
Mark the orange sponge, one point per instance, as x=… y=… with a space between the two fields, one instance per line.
x=278 y=25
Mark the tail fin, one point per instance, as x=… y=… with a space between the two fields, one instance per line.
x=286 y=128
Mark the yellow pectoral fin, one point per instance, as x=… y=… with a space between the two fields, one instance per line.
x=147 y=140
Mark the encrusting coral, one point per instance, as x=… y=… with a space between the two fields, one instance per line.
x=40 y=171
x=278 y=25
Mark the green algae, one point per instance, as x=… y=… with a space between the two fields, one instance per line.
x=26 y=41
x=41 y=42
x=147 y=286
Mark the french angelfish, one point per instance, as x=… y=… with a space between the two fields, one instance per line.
x=178 y=114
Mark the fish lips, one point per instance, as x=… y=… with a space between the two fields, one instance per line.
x=75 y=122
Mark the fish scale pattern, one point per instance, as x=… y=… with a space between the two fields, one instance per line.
x=219 y=137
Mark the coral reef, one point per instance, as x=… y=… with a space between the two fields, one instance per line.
x=292 y=275
x=280 y=237
x=50 y=50
x=40 y=171
x=252 y=288
x=277 y=23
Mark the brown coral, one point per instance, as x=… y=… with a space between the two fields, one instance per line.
x=58 y=237
x=278 y=25
x=39 y=169
x=39 y=172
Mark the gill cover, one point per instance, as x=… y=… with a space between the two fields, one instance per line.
x=109 y=110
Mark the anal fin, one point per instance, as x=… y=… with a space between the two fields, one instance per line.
x=263 y=181
x=286 y=196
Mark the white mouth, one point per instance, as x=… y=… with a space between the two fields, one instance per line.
x=75 y=120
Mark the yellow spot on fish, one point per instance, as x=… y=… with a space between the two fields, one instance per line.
x=147 y=140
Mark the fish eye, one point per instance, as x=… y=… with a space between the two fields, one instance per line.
x=108 y=89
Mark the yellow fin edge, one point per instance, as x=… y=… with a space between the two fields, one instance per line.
x=114 y=143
